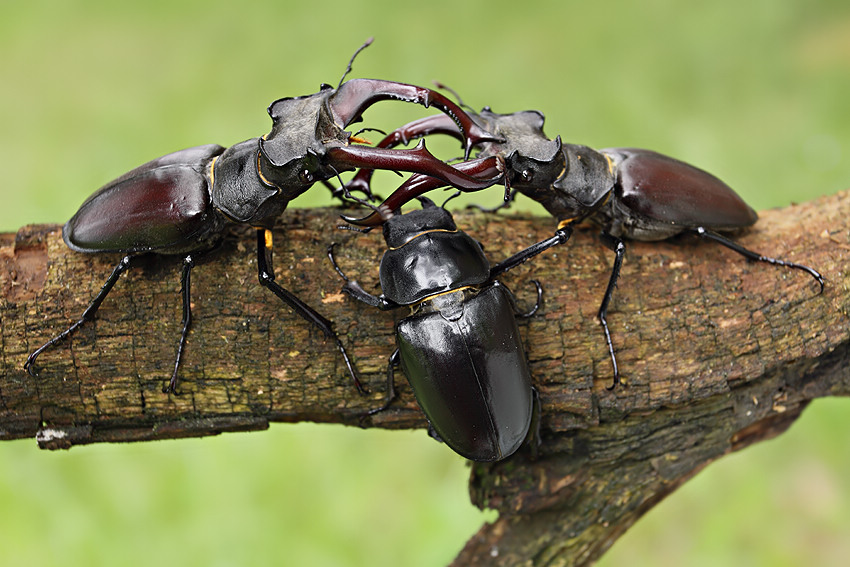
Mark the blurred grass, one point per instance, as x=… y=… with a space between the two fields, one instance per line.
x=754 y=92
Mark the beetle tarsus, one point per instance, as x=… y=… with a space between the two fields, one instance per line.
x=515 y=303
x=537 y=304
x=355 y=290
x=87 y=315
x=756 y=257
x=391 y=393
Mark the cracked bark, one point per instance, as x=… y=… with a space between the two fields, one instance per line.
x=716 y=353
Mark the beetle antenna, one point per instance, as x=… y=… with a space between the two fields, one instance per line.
x=351 y=61
x=346 y=194
x=453 y=92
x=452 y=196
x=380 y=210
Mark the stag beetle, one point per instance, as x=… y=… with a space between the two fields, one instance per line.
x=631 y=193
x=460 y=347
x=182 y=202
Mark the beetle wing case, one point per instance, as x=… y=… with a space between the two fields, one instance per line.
x=466 y=364
x=666 y=191
x=160 y=206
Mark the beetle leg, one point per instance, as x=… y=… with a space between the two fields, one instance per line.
x=432 y=433
x=266 y=277
x=537 y=304
x=87 y=315
x=561 y=236
x=513 y=300
x=755 y=256
x=355 y=290
x=185 y=290
x=619 y=248
x=336 y=192
x=533 y=439
x=343 y=192
x=394 y=361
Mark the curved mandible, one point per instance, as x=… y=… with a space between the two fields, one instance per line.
x=489 y=171
x=353 y=97
x=436 y=124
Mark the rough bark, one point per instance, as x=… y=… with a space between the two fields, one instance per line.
x=716 y=353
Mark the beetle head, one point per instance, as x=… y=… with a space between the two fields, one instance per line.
x=526 y=171
x=400 y=229
x=293 y=155
x=532 y=159
x=583 y=187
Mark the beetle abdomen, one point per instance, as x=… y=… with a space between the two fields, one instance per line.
x=470 y=375
x=159 y=206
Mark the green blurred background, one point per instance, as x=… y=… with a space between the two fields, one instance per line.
x=755 y=92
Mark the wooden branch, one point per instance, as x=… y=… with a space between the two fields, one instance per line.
x=716 y=353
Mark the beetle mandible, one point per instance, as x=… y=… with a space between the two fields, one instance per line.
x=182 y=203
x=460 y=346
x=631 y=193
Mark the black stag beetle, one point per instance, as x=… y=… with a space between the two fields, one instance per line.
x=460 y=347
x=181 y=203
x=631 y=193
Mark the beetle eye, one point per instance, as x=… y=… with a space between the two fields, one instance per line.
x=305 y=176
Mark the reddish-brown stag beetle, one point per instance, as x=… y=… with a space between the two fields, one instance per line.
x=460 y=347
x=181 y=203
x=632 y=193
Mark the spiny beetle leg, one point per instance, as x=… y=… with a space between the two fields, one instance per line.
x=755 y=256
x=515 y=304
x=265 y=272
x=392 y=364
x=185 y=290
x=87 y=315
x=619 y=248
x=355 y=290
x=561 y=236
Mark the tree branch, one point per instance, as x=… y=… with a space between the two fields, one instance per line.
x=716 y=353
